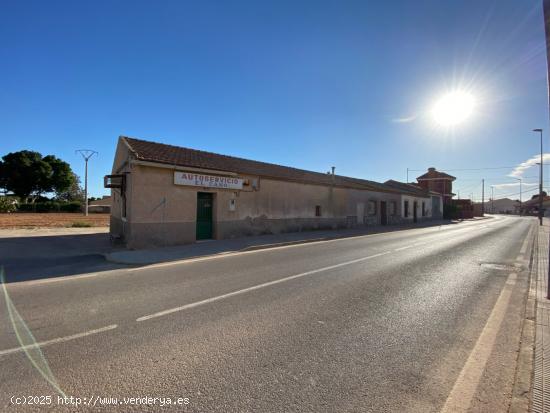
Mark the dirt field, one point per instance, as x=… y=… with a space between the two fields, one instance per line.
x=31 y=220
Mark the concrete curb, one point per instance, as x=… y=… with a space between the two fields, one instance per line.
x=110 y=258
x=523 y=381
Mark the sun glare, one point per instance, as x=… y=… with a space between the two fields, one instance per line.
x=453 y=108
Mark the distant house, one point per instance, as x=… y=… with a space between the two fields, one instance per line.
x=102 y=205
x=427 y=202
x=501 y=206
x=439 y=182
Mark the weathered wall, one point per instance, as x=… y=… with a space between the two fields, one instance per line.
x=164 y=214
x=358 y=207
x=429 y=213
x=160 y=213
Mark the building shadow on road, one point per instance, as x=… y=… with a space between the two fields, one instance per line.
x=35 y=257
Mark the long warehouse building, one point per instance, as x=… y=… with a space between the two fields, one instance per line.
x=168 y=195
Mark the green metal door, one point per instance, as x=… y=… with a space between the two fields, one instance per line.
x=204 y=215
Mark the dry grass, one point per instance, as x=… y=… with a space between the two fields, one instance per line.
x=34 y=220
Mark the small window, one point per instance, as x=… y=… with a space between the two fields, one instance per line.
x=406 y=209
x=317 y=210
x=423 y=209
x=371 y=209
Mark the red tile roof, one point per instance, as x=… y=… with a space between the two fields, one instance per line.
x=434 y=174
x=412 y=189
x=179 y=156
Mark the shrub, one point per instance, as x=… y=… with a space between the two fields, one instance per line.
x=8 y=204
x=81 y=224
x=50 y=206
x=25 y=207
x=73 y=206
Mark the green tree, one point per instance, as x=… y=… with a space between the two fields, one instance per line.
x=61 y=177
x=28 y=175
x=73 y=193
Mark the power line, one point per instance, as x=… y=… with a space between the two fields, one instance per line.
x=466 y=169
x=474 y=169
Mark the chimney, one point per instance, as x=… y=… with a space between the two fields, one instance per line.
x=333 y=168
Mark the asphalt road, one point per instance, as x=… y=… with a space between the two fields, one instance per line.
x=380 y=323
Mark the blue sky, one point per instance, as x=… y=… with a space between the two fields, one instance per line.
x=308 y=84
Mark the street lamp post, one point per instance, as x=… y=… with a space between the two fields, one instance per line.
x=492 y=199
x=541 y=177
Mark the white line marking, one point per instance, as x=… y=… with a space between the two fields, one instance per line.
x=410 y=246
x=463 y=391
x=404 y=248
x=256 y=287
x=59 y=279
x=58 y=340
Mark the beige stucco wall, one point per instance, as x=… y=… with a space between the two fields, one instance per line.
x=163 y=213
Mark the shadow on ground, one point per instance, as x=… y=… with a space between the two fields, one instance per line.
x=33 y=257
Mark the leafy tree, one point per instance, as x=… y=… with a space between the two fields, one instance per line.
x=73 y=193
x=61 y=176
x=2 y=178
x=29 y=175
x=8 y=204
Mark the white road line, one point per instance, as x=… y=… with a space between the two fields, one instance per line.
x=463 y=391
x=58 y=340
x=59 y=279
x=256 y=287
x=404 y=248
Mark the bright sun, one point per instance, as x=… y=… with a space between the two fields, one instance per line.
x=453 y=108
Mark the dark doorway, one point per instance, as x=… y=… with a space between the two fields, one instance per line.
x=205 y=201
x=383 y=213
x=415 y=211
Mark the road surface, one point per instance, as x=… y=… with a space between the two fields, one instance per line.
x=418 y=320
